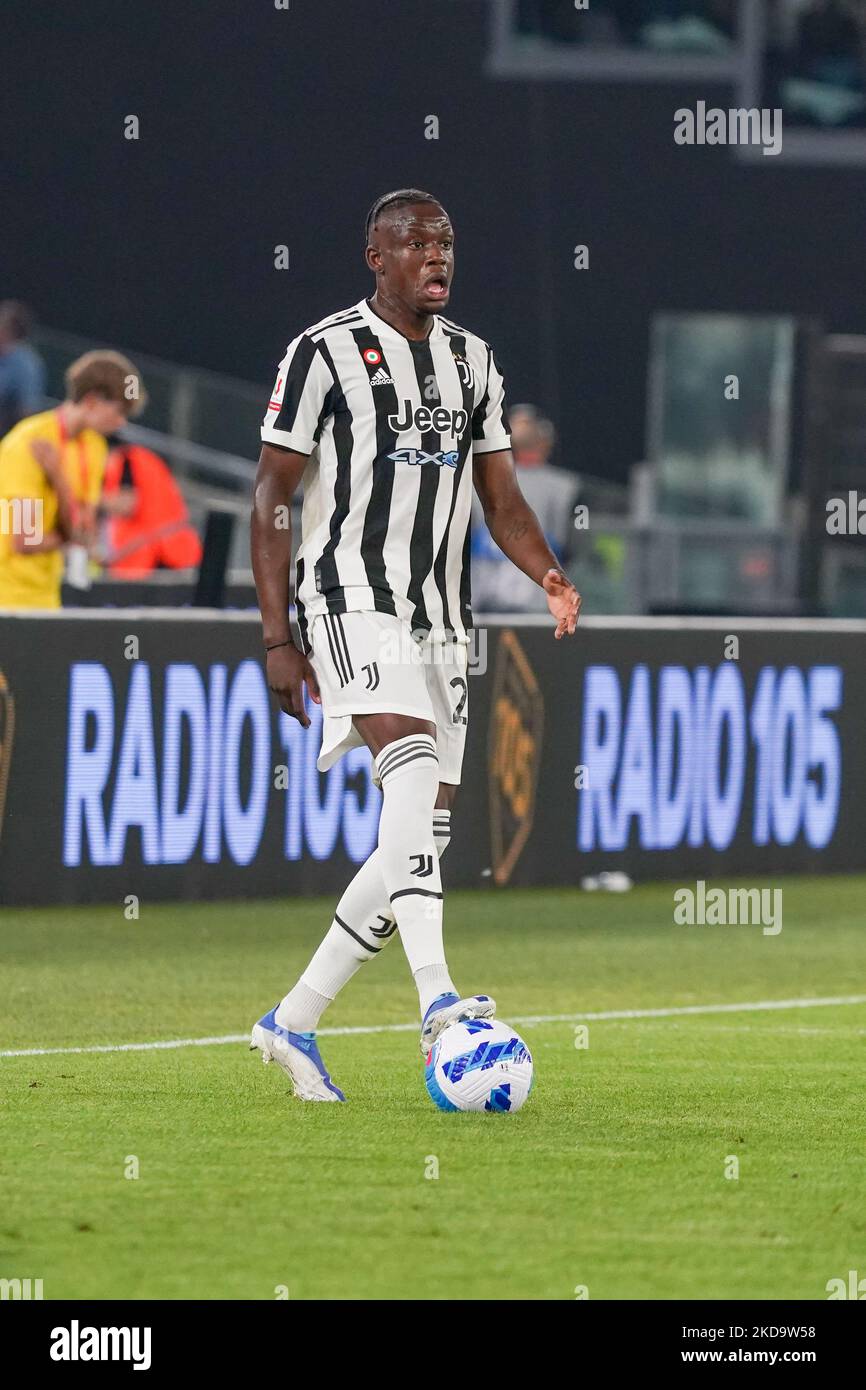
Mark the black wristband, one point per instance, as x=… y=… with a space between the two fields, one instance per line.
x=279 y=644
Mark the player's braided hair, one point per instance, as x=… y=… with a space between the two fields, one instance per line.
x=396 y=199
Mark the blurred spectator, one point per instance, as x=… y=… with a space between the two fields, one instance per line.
x=497 y=587
x=22 y=371
x=51 y=469
x=147 y=522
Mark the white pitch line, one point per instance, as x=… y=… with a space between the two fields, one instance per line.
x=608 y=1016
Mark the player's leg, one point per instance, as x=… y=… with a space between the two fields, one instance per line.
x=403 y=751
x=407 y=768
x=286 y=1034
x=344 y=650
x=446 y=677
x=362 y=926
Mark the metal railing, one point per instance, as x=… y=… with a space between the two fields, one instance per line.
x=218 y=413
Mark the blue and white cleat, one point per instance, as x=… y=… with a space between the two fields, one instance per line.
x=447 y=1008
x=299 y=1057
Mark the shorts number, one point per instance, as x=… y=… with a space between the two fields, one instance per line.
x=458 y=683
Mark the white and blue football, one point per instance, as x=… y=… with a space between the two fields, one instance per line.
x=479 y=1064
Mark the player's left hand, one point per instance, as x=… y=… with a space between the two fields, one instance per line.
x=563 y=600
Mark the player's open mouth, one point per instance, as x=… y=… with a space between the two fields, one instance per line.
x=437 y=288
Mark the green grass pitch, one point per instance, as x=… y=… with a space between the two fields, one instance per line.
x=612 y=1177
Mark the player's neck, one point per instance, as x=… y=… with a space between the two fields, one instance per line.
x=70 y=415
x=414 y=326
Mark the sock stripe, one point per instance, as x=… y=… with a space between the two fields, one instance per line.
x=419 y=892
x=425 y=751
x=409 y=758
x=391 y=749
x=374 y=950
x=423 y=741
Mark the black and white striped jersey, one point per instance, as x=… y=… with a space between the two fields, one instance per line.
x=390 y=427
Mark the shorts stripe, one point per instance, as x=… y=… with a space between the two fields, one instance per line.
x=341 y=638
x=336 y=651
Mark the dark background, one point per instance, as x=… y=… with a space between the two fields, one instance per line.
x=262 y=126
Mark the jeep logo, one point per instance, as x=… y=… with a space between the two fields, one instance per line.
x=423 y=418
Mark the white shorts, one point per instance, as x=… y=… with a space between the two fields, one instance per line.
x=370 y=663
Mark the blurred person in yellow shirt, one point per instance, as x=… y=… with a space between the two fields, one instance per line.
x=51 y=471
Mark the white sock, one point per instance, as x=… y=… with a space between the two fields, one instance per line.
x=442 y=830
x=432 y=980
x=408 y=770
x=301 y=1009
x=363 y=925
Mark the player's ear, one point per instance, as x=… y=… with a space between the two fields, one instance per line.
x=373 y=257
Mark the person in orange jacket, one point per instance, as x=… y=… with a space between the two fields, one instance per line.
x=148 y=523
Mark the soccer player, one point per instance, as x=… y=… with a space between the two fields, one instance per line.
x=388 y=413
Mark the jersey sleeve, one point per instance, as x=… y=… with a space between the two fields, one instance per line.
x=20 y=474
x=489 y=420
x=300 y=398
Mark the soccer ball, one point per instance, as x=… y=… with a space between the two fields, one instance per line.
x=479 y=1065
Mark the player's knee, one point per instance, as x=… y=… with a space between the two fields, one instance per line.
x=380 y=730
x=413 y=754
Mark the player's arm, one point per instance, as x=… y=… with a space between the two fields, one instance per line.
x=22 y=487
x=277 y=478
x=49 y=459
x=516 y=530
x=24 y=543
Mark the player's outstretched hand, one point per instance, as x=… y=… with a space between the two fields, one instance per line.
x=288 y=672
x=563 y=600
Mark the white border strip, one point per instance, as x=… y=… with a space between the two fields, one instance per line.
x=610 y=1015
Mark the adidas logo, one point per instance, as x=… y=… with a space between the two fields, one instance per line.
x=381 y=378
